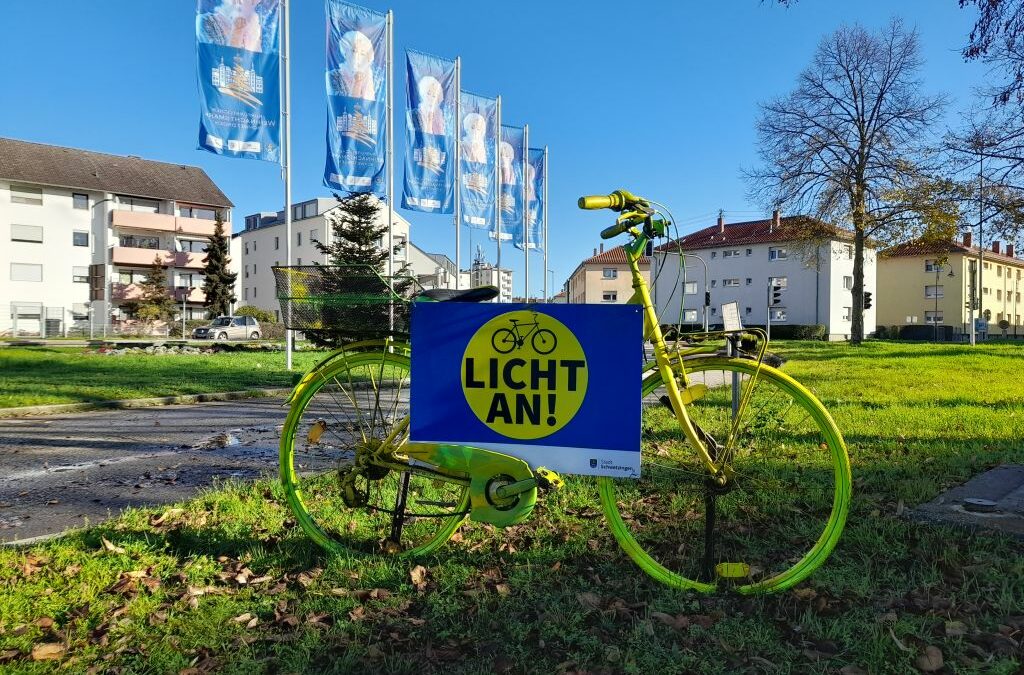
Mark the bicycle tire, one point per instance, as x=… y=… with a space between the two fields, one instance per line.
x=352 y=400
x=507 y=342
x=548 y=340
x=789 y=451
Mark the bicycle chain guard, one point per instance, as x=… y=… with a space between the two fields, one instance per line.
x=487 y=472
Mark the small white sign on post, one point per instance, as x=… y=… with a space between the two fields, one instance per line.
x=731 y=317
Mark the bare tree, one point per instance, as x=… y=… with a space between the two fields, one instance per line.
x=998 y=39
x=846 y=145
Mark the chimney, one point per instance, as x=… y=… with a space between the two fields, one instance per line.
x=595 y=251
x=1009 y=250
x=995 y=247
x=601 y=247
x=967 y=239
x=721 y=223
x=776 y=220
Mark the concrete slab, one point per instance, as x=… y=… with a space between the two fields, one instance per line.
x=992 y=501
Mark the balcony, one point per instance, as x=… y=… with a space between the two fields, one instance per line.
x=194 y=294
x=162 y=222
x=123 y=292
x=143 y=257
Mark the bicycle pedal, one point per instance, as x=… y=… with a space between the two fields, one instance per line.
x=548 y=479
x=732 y=571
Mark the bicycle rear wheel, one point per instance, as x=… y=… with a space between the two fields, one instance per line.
x=781 y=512
x=356 y=408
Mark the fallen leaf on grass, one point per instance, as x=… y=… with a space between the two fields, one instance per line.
x=899 y=644
x=109 y=546
x=805 y=593
x=589 y=599
x=32 y=564
x=664 y=618
x=9 y=655
x=418 y=575
x=503 y=589
x=930 y=661
x=157 y=521
x=956 y=629
x=243 y=618
x=47 y=651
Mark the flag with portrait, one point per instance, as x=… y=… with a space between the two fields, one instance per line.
x=510 y=176
x=536 y=167
x=430 y=134
x=477 y=148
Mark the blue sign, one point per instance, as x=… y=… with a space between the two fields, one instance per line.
x=430 y=134
x=477 y=147
x=239 y=83
x=510 y=169
x=536 y=167
x=356 y=98
x=554 y=385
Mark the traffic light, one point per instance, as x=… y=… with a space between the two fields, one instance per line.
x=707 y=298
x=776 y=295
x=867 y=300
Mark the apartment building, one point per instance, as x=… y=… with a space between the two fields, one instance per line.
x=82 y=228
x=928 y=284
x=736 y=262
x=262 y=246
x=483 y=273
x=605 y=277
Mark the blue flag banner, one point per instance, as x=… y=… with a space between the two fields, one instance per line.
x=356 y=98
x=430 y=134
x=535 y=382
x=237 y=47
x=535 y=170
x=478 y=129
x=510 y=170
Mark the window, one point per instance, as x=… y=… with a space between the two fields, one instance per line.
x=730 y=254
x=609 y=296
x=313 y=236
x=254 y=247
x=777 y=253
x=190 y=280
x=246 y=271
x=299 y=261
x=714 y=311
x=985 y=290
x=246 y=248
x=933 y=317
x=23 y=194
x=988 y=265
x=80 y=238
x=80 y=275
x=750 y=310
x=245 y=293
x=714 y=254
x=999 y=294
x=28 y=233
x=192 y=245
x=609 y=273
x=690 y=288
x=296 y=212
x=749 y=281
x=999 y=270
x=847 y=313
x=779 y=281
x=689 y=316
x=201 y=212
x=252 y=222
x=778 y=313
x=934 y=291
x=848 y=283
x=277 y=243
x=848 y=251
x=750 y=251
x=277 y=263
x=26 y=272
x=254 y=289
x=79 y=311
x=309 y=209
x=930 y=265
x=139 y=241
x=728 y=283
x=80 y=201
x=131 y=276
x=713 y=282
x=298 y=239
x=137 y=204
x=999 y=317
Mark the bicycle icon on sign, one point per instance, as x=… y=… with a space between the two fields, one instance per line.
x=505 y=340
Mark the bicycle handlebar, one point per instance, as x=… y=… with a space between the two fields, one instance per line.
x=616 y=201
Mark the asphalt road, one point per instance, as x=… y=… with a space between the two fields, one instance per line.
x=59 y=472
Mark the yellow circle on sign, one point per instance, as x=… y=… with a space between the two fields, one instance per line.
x=524 y=374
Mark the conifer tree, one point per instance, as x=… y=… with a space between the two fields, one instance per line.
x=156 y=303
x=219 y=285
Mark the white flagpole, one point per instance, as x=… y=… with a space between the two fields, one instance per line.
x=526 y=213
x=497 y=191
x=458 y=173
x=286 y=118
x=389 y=159
x=545 y=223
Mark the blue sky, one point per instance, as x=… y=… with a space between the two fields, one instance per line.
x=661 y=101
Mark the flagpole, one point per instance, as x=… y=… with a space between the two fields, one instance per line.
x=545 y=223
x=497 y=191
x=389 y=159
x=458 y=173
x=286 y=118
x=526 y=210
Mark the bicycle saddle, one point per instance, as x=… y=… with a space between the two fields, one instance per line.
x=478 y=294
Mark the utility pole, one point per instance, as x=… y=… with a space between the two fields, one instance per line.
x=768 y=311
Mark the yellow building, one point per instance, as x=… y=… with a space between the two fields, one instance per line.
x=605 y=278
x=925 y=284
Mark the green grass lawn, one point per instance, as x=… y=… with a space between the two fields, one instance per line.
x=227 y=583
x=44 y=375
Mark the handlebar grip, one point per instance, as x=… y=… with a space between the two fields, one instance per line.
x=599 y=201
x=614 y=230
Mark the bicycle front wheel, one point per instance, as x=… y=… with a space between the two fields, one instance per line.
x=783 y=508
x=354 y=409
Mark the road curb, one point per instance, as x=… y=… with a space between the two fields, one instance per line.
x=33 y=410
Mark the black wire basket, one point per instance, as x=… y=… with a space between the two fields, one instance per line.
x=346 y=300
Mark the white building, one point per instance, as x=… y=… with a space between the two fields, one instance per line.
x=79 y=227
x=744 y=258
x=262 y=247
x=483 y=273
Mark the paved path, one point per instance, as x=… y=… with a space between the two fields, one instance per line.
x=62 y=471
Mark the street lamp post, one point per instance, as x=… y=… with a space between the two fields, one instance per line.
x=935 y=314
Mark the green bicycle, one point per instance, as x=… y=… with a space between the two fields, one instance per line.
x=745 y=480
